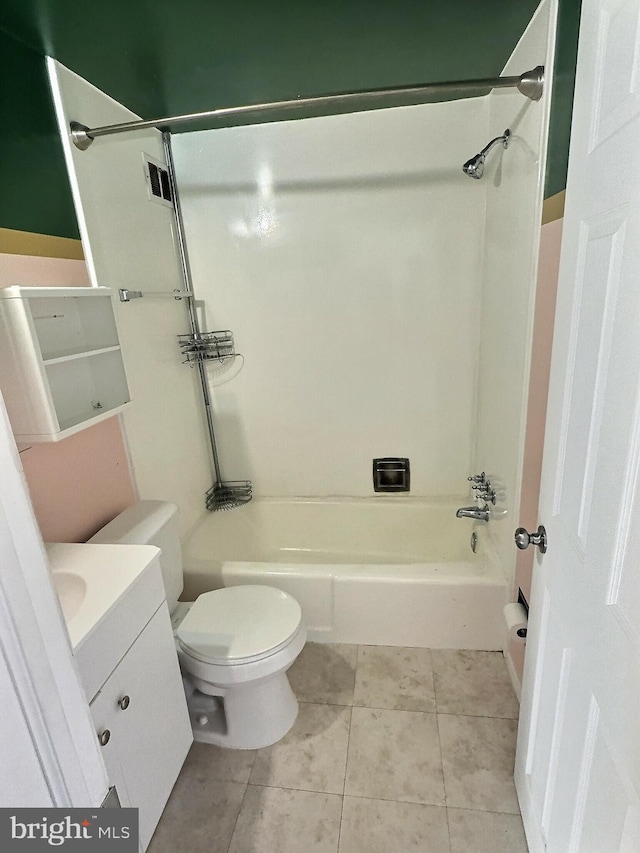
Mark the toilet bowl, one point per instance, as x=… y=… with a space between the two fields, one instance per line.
x=234 y=645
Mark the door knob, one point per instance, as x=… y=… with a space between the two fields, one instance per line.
x=524 y=538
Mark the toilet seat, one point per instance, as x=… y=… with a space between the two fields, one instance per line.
x=239 y=625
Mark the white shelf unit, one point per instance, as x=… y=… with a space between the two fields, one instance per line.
x=61 y=367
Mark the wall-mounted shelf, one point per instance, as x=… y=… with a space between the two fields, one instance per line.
x=73 y=354
x=61 y=367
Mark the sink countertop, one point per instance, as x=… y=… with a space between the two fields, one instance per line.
x=108 y=571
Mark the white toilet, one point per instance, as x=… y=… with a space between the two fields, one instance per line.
x=234 y=644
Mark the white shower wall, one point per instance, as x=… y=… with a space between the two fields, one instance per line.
x=345 y=253
x=514 y=180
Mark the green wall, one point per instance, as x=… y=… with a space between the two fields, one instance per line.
x=562 y=102
x=162 y=56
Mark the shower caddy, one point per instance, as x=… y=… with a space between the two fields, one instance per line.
x=198 y=348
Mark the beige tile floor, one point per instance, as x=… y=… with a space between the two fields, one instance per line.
x=394 y=751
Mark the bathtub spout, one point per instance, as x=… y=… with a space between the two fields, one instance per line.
x=473 y=512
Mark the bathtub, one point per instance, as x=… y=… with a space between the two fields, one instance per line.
x=372 y=571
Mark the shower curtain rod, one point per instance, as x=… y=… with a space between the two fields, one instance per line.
x=530 y=84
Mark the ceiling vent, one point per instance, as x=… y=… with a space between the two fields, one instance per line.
x=158 y=183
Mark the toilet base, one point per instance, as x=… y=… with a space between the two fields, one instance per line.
x=245 y=716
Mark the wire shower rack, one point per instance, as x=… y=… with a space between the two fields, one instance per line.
x=207 y=346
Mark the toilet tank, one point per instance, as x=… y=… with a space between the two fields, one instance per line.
x=150 y=523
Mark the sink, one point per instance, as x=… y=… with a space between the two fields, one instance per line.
x=91 y=580
x=71 y=589
x=107 y=594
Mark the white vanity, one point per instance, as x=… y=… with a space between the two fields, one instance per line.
x=113 y=601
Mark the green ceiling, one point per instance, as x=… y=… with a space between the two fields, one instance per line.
x=163 y=56
x=169 y=56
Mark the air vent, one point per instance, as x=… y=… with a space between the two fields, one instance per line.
x=154 y=179
x=158 y=183
x=165 y=185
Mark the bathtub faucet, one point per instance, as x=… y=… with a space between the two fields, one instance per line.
x=473 y=512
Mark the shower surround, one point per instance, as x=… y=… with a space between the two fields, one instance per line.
x=345 y=253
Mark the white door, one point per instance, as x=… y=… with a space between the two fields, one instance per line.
x=578 y=759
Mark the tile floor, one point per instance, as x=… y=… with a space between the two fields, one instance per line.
x=394 y=751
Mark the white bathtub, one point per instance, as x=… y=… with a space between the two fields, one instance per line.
x=374 y=571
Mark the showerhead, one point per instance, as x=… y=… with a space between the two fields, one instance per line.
x=475 y=166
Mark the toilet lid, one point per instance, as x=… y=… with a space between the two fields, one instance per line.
x=238 y=624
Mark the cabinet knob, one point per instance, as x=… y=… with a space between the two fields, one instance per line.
x=124 y=702
x=104 y=737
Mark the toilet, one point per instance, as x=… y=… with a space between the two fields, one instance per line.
x=235 y=644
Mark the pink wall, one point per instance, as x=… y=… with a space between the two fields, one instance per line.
x=36 y=271
x=78 y=484
x=549 y=262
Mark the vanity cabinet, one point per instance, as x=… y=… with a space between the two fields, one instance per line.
x=61 y=367
x=113 y=602
x=142 y=722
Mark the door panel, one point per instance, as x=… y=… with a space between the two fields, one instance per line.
x=578 y=760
